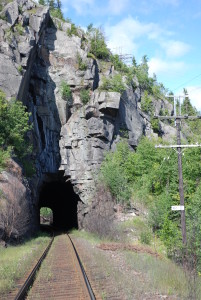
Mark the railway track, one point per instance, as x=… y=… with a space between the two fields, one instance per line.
x=61 y=275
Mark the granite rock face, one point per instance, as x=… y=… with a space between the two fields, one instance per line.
x=36 y=57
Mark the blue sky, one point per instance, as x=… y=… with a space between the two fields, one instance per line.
x=167 y=31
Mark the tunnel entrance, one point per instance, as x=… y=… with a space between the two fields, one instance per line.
x=61 y=198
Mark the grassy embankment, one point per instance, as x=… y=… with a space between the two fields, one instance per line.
x=15 y=261
x=143 y=271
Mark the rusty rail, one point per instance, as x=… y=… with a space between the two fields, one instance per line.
x=61 y=262
x=24 y=289
x=91 y=293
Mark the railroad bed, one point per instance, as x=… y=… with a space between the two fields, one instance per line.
x=61 y=275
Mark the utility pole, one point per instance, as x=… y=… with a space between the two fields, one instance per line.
x=179 y=147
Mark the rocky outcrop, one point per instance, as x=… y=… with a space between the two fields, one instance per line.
x=37 y=55
x=16 y=204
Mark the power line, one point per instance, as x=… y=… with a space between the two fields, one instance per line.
x=187 y=82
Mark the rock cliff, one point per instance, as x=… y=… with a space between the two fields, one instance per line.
x=70 y=138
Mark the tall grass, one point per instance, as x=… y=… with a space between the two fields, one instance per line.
x=15 y=261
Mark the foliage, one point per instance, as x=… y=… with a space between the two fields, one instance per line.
x=81 y=64
x=152 y=176
x=20 y=69
x=19 y=28
x=42 y=2
x=114 y=175
x=193 y=217
x=2 y=16
x=66 y=92
x=158 y=90
x=14 y=124
x=46 y=212
x=113 y=84
x=145 y=237
x=85 y=96
x=9 y=34
x=57 y=13
x=73 y=30
x=146 y=103
x=91 y=55
x=141 y=71
x=155 y=125
x=4 y=157
x=118 y=64
x=188 y=109
x=55 y=8
x=98 y=45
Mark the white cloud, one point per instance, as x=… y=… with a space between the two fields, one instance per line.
x=175 y=49
x=116 y=7
x=195 y=96
x=81 y=6
x=129 y=32
x=159 y=67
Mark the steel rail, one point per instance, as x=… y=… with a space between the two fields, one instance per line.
x=24 y=289
x=89 y=288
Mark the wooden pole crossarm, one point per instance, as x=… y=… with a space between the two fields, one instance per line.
x=178 y=146
x=177 y=117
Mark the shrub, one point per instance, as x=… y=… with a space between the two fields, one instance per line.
x=155 y=125
x=91 y=55
x=85 y=96
x=81 y=64
x=3 y=16
x=20 y=69
x=9 y=34
x=4 y=157
x=57 y=13
x=114 y=84
x=146 y=103
x=72 y=31
x=19 y=28
x=114 y=175
x=13 y=125
x=98 y=45
x=66 y=92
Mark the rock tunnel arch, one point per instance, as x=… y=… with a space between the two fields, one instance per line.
x=57 y=194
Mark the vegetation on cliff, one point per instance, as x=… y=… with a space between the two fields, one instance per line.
x=14 y=125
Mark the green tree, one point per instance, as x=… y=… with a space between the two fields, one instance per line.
x=55 y=9
x=145 y=82
x=14 y=124
x=118 y=64
x=113 y=174
x=97 y=40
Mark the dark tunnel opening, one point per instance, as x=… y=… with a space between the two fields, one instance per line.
x=61 y=198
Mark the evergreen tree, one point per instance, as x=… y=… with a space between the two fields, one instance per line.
x=42 y=2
